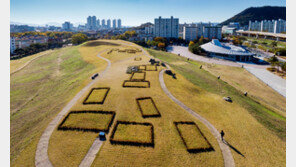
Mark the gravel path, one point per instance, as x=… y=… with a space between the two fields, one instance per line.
x=275 y=82
x=41 y=157
x=227 y=156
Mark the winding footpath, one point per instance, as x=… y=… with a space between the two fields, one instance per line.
x=227 y=156
x=27 y=63
x=41 y=157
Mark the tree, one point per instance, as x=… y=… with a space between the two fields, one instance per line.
x=273 y=44
x=191 y=43
x=283 y=66
x=79 y=38
x=161 y=45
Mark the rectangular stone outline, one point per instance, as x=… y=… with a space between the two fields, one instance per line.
x=101 y=102
x=132 y=143
x=131 y=78
x=196 y=150
x=150 y=70
x=147 y=115
x=95 y=130
x=123 y=85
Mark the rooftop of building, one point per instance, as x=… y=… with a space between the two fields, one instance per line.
x=215 y=46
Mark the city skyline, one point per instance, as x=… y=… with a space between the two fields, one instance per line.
x=132 y=13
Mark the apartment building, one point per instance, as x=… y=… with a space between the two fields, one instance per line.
x=166 y=27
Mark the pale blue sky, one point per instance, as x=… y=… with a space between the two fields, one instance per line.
x=132 y=12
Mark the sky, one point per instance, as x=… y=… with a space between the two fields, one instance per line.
x=131 y=12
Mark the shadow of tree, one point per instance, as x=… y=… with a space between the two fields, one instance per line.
x=236 y=150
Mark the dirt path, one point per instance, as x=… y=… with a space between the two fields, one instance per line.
x=27 y=63
x=41 y=157
x=227 y=156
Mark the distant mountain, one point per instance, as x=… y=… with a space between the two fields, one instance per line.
x=142 y=26
x=258 y=13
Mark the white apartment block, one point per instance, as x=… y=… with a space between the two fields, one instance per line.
x=166 y=27
x=91 y=23
x=212 y=32
x=190 y=33
x=114 y=23
x=108 y=23
x=12 y=44
x=149 y=30
x=273 y=26
x=119 y=23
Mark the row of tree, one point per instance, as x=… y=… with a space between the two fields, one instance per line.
x=194 y=46
x=49 y=34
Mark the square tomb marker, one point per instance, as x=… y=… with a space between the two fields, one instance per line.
x=147 y=107
x=89 y=121
x=136 y=84
x=151 y=68
x=138 y=76
x=192 y=137
x=133 y=133
x=96 y=96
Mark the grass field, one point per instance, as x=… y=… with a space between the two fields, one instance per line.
x=147 y=107
x=256 y=131
x=242 y=80
x=193 y=137
x=169 y=149
x=142 y=67
x=18 y=63
x=60 y=74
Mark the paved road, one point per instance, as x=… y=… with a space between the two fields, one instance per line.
x=41 y=157
x=227 y=156
x=275 y=82
x=27 y=63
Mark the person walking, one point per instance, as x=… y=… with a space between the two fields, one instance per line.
x=222 y=135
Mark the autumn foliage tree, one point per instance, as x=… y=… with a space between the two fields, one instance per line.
x=79 y=38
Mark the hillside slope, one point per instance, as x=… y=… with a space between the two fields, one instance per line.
x=258 y=13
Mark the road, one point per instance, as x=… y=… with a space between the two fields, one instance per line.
x=275 y=82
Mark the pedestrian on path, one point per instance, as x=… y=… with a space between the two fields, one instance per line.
x=222 y=135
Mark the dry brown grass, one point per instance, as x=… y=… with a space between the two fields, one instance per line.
x=169 y=149
x=192 y=136
x=138 y=76
x=260 y=146
x=246 y=82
